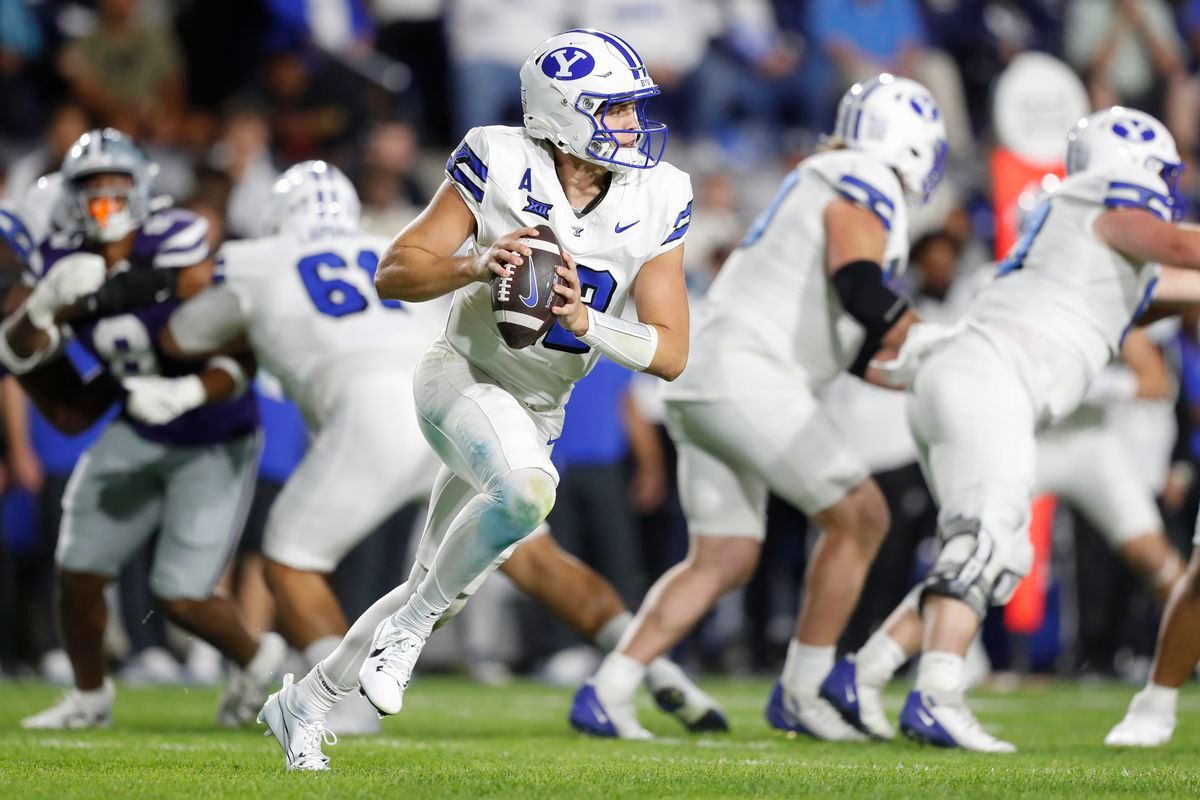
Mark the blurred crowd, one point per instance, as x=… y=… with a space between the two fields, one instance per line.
x=224 y=94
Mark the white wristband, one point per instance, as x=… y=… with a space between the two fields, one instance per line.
x=232 y=368
x=630 y=344
x=1112 y=385
x=20 y=365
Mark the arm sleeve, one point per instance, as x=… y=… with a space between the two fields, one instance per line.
x=208 y=322
x=467 y=170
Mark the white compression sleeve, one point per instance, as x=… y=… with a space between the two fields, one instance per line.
x=630 y=344
x=208 y=321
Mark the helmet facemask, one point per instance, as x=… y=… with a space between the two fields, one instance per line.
x=650 y=137
x=106 y=209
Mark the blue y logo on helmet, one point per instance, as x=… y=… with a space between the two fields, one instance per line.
x=1133 y=129
x=925 y=107
x=568 y=64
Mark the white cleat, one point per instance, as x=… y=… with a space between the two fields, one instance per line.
x=300 y=739
x=1142 y=726
x=388 y=669
x=860 y=704
x=598 y=716
x=812 y=716
x=76 y=711
x=947 y=724
x=248 y=688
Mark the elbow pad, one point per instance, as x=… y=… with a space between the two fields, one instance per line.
x=139 y=286
x=860 y=287
x=630 y=344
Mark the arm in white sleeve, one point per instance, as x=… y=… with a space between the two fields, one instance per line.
x=208 y=322
x=630 y=344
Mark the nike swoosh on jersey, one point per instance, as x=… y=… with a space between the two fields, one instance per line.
x=622 y=228
x=532 y=299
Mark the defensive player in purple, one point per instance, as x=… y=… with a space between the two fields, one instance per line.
x=109 y=275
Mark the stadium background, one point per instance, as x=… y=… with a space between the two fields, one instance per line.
x=226 y=93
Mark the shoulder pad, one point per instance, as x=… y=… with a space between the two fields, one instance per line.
x=863 y=180
x=467 y=166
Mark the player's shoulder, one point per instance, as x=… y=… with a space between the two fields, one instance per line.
x=1119 y=187
x=173 y=237
x=16 y=233
x=861 y=178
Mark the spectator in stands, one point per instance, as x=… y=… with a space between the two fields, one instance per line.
x=1129 y=51
x=853 y=39
x=128 y=75
x=387 y=185
x=314 y=107
x=489 y=42
x=21 y=43
x=67 y=123
x=243 y=153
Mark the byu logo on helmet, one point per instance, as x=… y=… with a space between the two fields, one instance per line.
x=925 y=106
x=568 y=64
x=1134 y=129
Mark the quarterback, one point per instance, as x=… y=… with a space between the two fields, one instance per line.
x=803 y=298
x=1086 y=266
x=588 y=164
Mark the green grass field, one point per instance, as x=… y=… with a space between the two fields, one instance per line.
x=457 y=739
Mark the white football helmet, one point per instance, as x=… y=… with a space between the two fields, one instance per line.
x=1123 y=137
x=310 y=196
x=568 y=84
x=897 y=120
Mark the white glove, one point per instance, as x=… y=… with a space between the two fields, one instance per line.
x=922 y=338
x=73 y=277
x=156 y=400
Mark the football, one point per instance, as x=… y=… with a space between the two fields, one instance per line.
x=522 y=302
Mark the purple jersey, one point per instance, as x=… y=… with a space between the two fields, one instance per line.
x=127 y=344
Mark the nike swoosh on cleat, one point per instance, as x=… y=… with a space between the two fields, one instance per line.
x=375 y=653
x=851 y=695
x=924 y=716
x=622 y=228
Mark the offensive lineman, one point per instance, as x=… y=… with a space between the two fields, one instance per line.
x=302 y=298
x=587 y=163
x=802 y=299
x=118 y=269
x=1085 y=267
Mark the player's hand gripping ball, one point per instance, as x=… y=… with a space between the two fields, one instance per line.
x=524 y=299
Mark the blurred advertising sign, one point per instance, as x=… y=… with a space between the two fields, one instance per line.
x=1037 y=100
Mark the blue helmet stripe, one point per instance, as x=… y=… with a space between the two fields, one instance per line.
x=636 y=57
x=631 y=58
x=871 y=86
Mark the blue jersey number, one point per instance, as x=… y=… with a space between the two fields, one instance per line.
x=335 y=297
x=1033 y=225
x=598 y=288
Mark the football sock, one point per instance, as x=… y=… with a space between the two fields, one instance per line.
x=1160 y=700
x=342 y=665
x=609 y=635
x=940 y=672
x=879 y=659
x=314 y=695
x=618 y=678
x=806 y=666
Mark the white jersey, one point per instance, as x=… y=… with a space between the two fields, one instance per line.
x=508 y=181
x=311 y=313
x=772 y=320
x=1063 y=299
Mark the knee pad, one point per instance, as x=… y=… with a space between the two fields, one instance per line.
x=523 y=498
x=975 y=567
